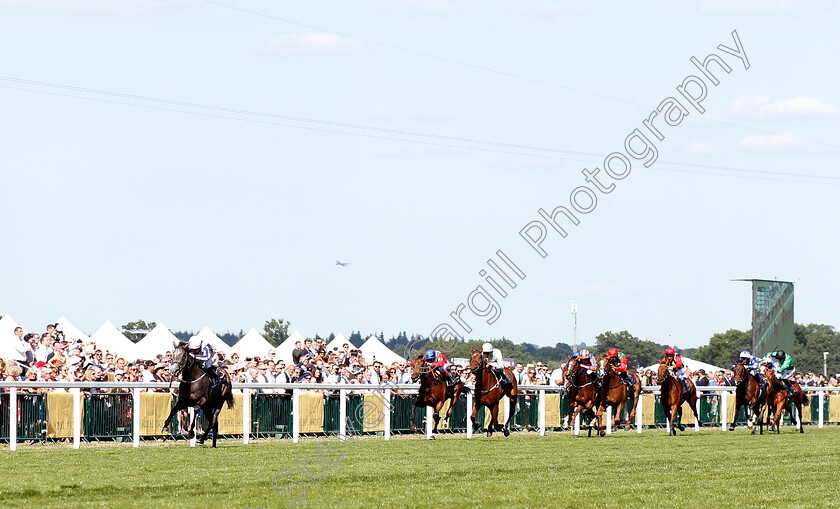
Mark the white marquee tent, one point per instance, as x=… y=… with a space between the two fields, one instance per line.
x=7 y=335
x=109 y=338
x=338 y=341
x=284 y=350
x=159 y=341
x=691 y=364
x=208 y=336
x=374 y=349
x=252 y=344
x=70 y=331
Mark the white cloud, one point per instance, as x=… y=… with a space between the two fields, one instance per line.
x=303 y=44
x=698 y=147
x=751 y=6
x=423 y=7
x=772 y=143
x=762 y=107
x=112 y=7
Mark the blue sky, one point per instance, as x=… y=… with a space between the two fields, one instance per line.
x=119 y=206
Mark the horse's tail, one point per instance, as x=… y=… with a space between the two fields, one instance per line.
x=229 y=396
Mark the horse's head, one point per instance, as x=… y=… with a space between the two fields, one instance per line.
x=603 y=366
x=739 y=372
x=477 y=362
x=663 y=372
x=571 y=367
x=418 y=367
x=180 y=359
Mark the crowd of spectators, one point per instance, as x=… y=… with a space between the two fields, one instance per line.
x=51 y=356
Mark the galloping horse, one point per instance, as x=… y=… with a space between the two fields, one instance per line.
x=489 y=391
x=194 y=392
x=582 y=394
x=613 y=394
x=672 y=397
x=433 y=391
x=778 y=400
x=750 y=394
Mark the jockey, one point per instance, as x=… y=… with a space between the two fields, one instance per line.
x=619 y=360
x=750 y=361
x=439 y=361
x=784 y=367
x=494 y=360
x=204 y=354
x=674 y=361
x=586 y=360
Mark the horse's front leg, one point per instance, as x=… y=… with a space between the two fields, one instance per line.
x=193 y=419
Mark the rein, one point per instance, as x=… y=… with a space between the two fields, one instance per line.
x=479 y=371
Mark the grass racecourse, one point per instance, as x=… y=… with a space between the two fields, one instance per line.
x=709 y=469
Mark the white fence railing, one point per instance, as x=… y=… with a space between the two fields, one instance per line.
x=136 y=388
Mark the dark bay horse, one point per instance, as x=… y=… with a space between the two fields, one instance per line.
x=194 y=392
x=489 y=391
x=612 y=394
x=750 y=394
x=582 y=393
x=778 y=401
x=433 y=391
x=671 y=397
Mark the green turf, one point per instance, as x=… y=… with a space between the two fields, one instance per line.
x=709 y=469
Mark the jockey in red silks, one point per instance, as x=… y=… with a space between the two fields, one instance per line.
x=619 y=360
x=436 y=359
x=674 y=361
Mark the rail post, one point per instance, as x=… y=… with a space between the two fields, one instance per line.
x=639 y=416
x=135 y=415
x=821 y=408
x=246 y=416
x=77 y=417
x=724 y=410
x=542 y=412
x=12 y=418
x=429 y=422
x=386 y=409
x=342 y=414
x=469 y=413
x=295 y=415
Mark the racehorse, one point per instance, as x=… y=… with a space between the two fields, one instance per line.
x=582 y=394
x=750 y=394
x=671 y=397
x=613 y=393
x=778 y=400
x=194 y=392
x=489 y=391
x=433 y=391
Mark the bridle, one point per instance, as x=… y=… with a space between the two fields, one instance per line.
x=576 y=371
x=177 y=369
x=480 y=366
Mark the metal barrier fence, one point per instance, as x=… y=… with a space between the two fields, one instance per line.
x=318 y=409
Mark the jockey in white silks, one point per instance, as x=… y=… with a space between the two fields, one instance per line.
x=205 y=356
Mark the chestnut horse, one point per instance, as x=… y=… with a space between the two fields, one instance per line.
x=582 y=391
x=606 y=369
x=433 y=391
x=489 y=392
x=778 y=400
x=671 y=397
x=749 y=394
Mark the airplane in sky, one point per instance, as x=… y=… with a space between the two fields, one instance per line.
x=343 y=264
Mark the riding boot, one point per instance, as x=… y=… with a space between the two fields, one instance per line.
x=684 y=385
